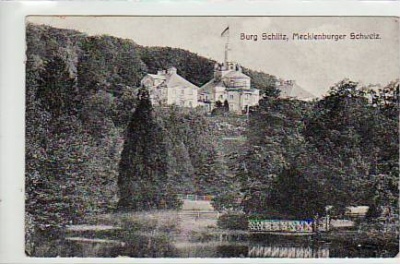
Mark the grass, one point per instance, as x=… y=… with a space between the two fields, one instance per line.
x=161 y=221
x=162 y=233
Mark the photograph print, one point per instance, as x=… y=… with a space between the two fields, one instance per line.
x=212 y=137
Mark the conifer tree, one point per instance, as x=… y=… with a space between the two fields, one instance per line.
x=226 y=106
x=143 y=169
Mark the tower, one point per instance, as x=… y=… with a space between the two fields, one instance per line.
x=227 y=64
x=226 y=58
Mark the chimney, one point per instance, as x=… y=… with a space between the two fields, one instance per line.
x=160 y=72
x=172 y=70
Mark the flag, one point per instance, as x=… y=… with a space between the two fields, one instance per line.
x=225 y=32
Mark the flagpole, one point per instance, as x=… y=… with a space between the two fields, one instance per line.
x=226 y=34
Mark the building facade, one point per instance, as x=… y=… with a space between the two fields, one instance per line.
x=230 y=84
x=167 y=87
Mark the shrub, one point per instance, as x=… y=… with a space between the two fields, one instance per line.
x=233 y=221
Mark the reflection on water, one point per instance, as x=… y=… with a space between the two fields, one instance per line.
x=288 y=252
x=161 y=245
x=281 y=246
x=275 y=246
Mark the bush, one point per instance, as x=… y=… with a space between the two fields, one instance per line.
x=233 y=221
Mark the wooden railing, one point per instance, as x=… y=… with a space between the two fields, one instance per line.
x=195 y=197
x=295 y=226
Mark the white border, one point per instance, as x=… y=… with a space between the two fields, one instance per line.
x=12 y=95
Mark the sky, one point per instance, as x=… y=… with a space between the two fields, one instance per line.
x=315 y=65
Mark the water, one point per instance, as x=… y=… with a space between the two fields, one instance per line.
x=268 y=247
x=218 y=245
x=275 y=246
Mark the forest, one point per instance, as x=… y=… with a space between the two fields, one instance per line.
x=82 y=132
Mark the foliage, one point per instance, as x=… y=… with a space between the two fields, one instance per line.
x=108 y=61
x=193 y=142
x=235 y=221
x=358 y=138
x=80 y=97
x=226 y=105
x=190 y=66
x=303 y=156
x=266 y=83
x=227 y=199
x=144 y=180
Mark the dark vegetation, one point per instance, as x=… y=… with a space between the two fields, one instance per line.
x=302 y=156
x=234 y=221
x=148 y=176
x=86 y=126
x=81 y=93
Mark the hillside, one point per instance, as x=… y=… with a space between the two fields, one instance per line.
x=79 y=97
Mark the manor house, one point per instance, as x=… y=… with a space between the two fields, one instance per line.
x=230 y=84
x=167 y=87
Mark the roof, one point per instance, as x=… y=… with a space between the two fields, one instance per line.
x=173 y=80
x=295 y=91
x=177 y=80
x=208 y=86
x=156 y=76
x=235 y=74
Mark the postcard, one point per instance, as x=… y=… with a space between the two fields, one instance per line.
x=212 y=137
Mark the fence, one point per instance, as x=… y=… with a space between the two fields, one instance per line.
x=195 y=197
x=298 y=226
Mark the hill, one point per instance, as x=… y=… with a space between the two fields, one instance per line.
x=79 y=99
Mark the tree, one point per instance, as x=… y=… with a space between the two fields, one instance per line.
x=297 y=195
x=57 y=87
x=218 y=104
x=143 y=170
x=357 y=140
x=226 y=105
x=264 y=82
x=275 y=144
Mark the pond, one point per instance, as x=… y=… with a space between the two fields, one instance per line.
x=207 y=241
x=261 y=246
x=276 y=246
